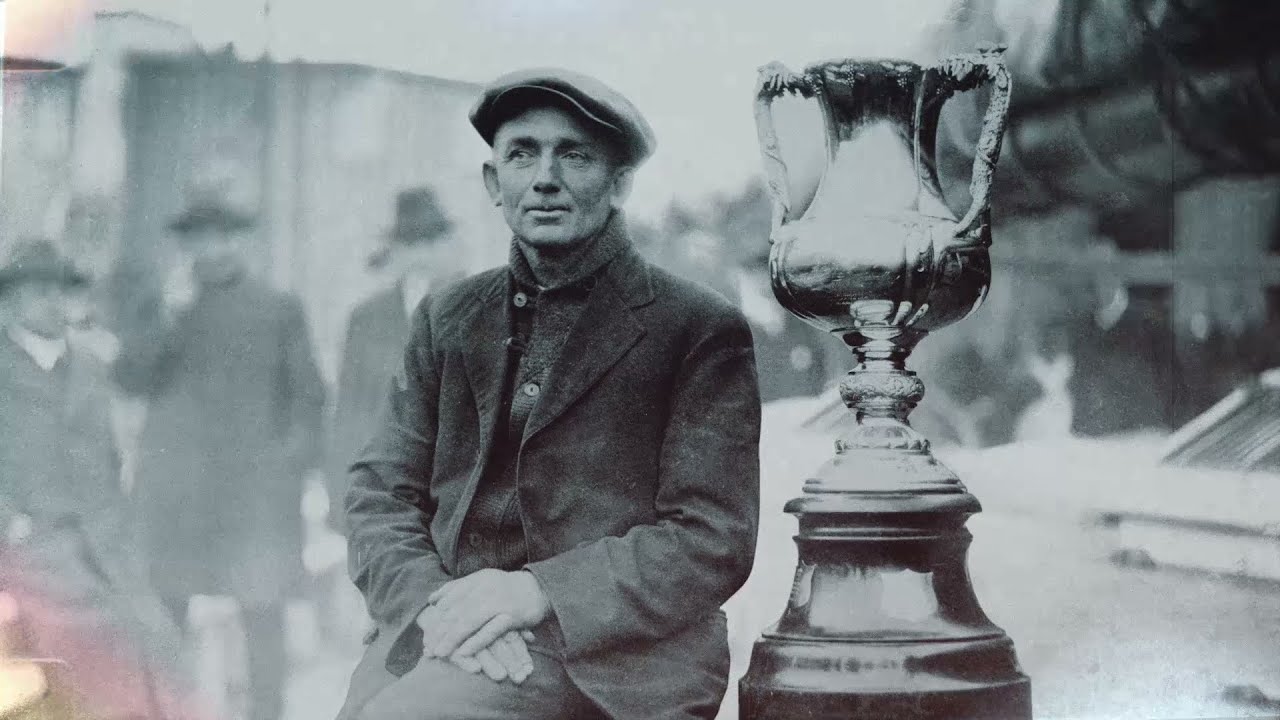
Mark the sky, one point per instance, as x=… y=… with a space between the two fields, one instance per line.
x=689 y=66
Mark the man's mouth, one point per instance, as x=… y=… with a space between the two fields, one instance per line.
x=547 y=212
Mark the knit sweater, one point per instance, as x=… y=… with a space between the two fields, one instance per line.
x=545 y=307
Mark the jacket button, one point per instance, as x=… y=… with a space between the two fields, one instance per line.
x=474 y=539
x=520 y=300
x=532 y=389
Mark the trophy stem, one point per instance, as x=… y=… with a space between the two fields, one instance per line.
x=882 y=452
x=880 y=386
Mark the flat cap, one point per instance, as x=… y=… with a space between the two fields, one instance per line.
x=503 y=98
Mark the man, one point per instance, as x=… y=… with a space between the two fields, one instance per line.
x=232 y=425
x=66 y=546
x=567 y=484
x=415 y=252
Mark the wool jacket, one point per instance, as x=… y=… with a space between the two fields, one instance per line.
x=637 y=481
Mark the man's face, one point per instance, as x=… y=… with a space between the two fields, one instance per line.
x=40 y=306
x=214 y=252
x=555 y=177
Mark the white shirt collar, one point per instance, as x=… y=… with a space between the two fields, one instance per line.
x=46 y=352
x=412 y=289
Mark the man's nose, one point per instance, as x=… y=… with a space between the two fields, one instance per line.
x=547 y=179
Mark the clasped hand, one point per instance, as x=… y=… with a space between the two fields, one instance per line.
x=482 y=622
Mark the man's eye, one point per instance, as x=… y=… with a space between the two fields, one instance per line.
x=576 y=156
x=519 y=155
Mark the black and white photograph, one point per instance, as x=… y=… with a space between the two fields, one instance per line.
x=639 y=360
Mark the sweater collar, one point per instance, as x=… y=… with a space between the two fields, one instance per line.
x=577 y=265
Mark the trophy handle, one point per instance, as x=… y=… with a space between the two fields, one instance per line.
x=966 y=73
x=773 y=81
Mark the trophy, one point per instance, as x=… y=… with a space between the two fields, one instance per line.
x=882 y=620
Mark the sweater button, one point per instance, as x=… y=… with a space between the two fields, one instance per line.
x=474 y=539
x=520 y=300
x=532 y=389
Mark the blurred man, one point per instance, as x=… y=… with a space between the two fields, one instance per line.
x=794 y=359
x=67 y=546
x=566 y=488
x=417 y=254
x=233 y=424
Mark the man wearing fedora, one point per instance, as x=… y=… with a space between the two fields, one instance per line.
x=233 y=423
x=417 y=253
x=66 y=530
x=565 y=488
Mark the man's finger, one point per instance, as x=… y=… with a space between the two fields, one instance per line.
x=527 y=635
x=524 y=660
x=507 y=649
x=466 y=662
x=496 y=671
x=502 y=652
x=481 y=638
x=457 y=626
x=456 y=621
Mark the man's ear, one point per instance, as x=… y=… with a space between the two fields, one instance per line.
x=491 y=182
x=622 y=187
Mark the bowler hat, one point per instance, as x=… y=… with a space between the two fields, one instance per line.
x=585 y=95
x=40 y=260
x=211 y=215
x=419 y=219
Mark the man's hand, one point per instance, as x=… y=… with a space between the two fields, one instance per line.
x=469 y=614
x=506 y=659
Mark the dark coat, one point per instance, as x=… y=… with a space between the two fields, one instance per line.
x=638 y=482
x=59 y=466
x=234 y=417
x=374 y=349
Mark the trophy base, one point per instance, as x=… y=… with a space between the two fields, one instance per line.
x=825 y=680
x=882 y=620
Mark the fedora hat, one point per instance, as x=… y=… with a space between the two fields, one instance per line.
x=40 y=260
x=419 y=219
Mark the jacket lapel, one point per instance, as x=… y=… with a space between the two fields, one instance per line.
x=603 y=334
x=486 y=356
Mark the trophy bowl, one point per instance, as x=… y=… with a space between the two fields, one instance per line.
x=875 y=255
